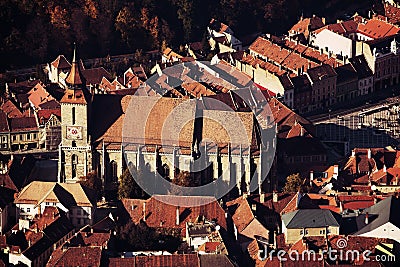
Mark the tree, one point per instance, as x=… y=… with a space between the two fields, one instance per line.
x=184 y=179
x=125 y=23
x=92 y=181
x=137 y=236
x=185 y=9
x=293 y=183
x=128 y=187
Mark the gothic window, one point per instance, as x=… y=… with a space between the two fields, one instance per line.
x=73 y=115
x=166 y=171
x=114 y=168
x=74 y=163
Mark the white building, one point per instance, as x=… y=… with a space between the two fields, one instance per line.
x=381 y=220
x=223 y=35
x=333 y=43
x=76 y=200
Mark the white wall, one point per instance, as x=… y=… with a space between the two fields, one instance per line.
x=16 y=258
x=337 y=44
x=385 y=231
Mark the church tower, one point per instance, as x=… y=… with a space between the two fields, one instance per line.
x=75 y=153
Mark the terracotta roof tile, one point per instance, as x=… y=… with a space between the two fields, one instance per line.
x=217 y=26
x=392 y=13
x=23 y=124
x=158 y=213
x=95 y=75
x=175 y=260
x=61 y=63
x=305 y=24
x=11 y=110
x=80 y=256
x=76 y=96
x=376 y=28
x=39 y=95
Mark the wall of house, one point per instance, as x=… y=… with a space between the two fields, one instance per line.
x=81 y=216
x=5 y=141
x=289 y=98
x=324 y=92
x=347 y=90
x=335 y=43
x=366 y=86
x=26 y=211
x=15 y=258
x=262 y=77
x=384 y=231
x=24 y=139
x=294 y=235
x=387 y=188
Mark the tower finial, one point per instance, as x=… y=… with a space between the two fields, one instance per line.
x=74 y=56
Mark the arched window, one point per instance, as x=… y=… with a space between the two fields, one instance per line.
x=166 y=171
x=114 y=168
x=73 y=143
x=74 y=163
x=73 y=115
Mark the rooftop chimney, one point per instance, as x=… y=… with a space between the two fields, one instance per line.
x=177 y=215
x=384 y=168
x=311 y=177
x=274 y=196
x=366 y=218
x=262 y=198
x=369 y=153
x=335 y=171
x=253 y=207
x=353 y=153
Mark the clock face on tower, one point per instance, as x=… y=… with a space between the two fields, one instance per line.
x=74 y=132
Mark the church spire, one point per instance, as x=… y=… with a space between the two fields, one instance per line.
x=75 y=77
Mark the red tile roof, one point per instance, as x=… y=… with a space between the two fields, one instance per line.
x=80 y=256
x=272 y=68
x=376 y=28
x=45 y=114
x=23 y=124
x=392 y=13
x=269 y=50
x=11 y=109
x=75 y=76
x=76 y=96
x=161 y=214
x=61 y=63
x=218 y=26
x=95 y=75
x=175 y=260
x=39 y=95
x=307 y=24
x=7 y=182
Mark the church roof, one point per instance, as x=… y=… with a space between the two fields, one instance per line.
x=75 y=96
x=75 y=76
x=77 y=92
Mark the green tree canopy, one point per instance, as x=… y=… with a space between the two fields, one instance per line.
x=128 y=187
x=293 y=183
